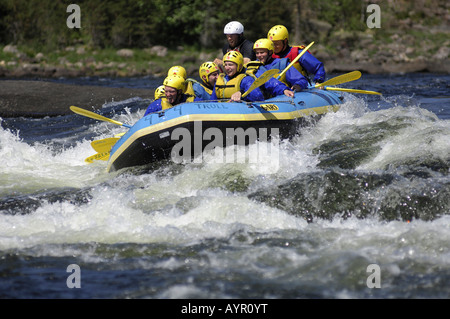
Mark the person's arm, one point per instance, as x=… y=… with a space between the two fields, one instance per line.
x=219 y=60
x=297 y=81
x=276 y=87
x=155 y=106
x=254 y=95
x=236 y=96
x=288 y=93
x=247 y=51
x=219 y=63
x=313 y=66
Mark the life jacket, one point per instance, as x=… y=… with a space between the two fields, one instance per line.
x=292 y=54
x=207 y=89
x=250 y=69
x=189 y=89
x=165 y=104
x=225 y=89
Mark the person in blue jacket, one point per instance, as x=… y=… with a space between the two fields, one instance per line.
x=234 y=82
x=174 y=86
x=307 y=64
x=209 y=72
x=292 y=77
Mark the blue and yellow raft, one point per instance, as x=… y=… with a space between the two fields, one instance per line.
x=155 y=136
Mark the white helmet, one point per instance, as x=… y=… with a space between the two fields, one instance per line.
x=233 y=27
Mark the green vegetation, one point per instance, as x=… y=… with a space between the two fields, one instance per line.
x=141 y=24
x=189 y=28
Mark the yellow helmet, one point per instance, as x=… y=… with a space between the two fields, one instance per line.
x=177 y=70
x=159 y=92
x=278 y=32
x=176 y=82
x=263 y=44
x=236 y=57
x=206 y=69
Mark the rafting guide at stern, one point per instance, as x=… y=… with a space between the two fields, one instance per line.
x=234 y=31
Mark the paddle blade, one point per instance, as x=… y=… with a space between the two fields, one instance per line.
x=352 y=91
x=266 y=76
x=352 y=76
x=104 y=145
x=97 y=157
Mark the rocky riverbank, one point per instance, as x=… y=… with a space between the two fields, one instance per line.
x=379 y=65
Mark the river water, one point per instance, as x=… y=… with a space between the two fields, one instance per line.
x=358 y=207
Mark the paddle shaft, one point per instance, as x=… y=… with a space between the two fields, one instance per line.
x=352 y=91
x=295 y=60
x=95 y=116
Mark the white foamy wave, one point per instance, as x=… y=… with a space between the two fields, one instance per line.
x=410 y=132
x=26 y=168
x=113 y=216
x=423 y=137
x=333 y=124
x=388 y=243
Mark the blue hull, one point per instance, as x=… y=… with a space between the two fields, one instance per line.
x=157 y=135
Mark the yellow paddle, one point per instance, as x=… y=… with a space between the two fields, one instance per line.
x=96 y=116
x=352 y=91
x=104 y=156
x=104 y=145
x=294 y=61
x=266 y=76
x=352 y=76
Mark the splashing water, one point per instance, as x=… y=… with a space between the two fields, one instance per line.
x=366 y=185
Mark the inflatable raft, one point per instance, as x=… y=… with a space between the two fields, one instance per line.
x=182 y=131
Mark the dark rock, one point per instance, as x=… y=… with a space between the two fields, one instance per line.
x=40 y=98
